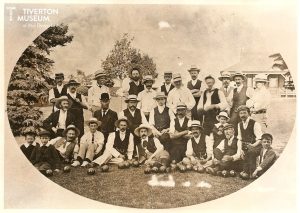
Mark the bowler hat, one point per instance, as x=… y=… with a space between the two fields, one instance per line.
x=104 y=96
x=59 y=75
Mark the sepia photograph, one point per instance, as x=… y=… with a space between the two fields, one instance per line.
x=150 y=106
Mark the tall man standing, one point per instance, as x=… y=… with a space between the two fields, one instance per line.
x=194 y=85
x=211 y=103
x=225 y=78
x=167 y=86
x=57 y=91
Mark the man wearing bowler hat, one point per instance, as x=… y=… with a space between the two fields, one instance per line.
x=167 y=86
x=59 y=90
x=107 y=117
x=57 y=121
x=195 y=86
x=78 y=104
x=96 y=90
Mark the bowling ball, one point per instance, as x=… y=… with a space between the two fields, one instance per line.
x=182 y=169
x=186 y=161
x=121 y=165
x=232 y=173
x=126 y=164
x=189 y=167
x=173 y=162
x=147 y=170
x=225 y=173
x=66 y=169
x=201 y=169
x=49 y=173
x=154 y=169
x=104 y=168
x=91 y=171
x=244 y=176
x=135 y=164
x=162 y=169
x=195 y=168
x=168 y=169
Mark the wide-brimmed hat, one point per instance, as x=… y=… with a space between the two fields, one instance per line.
x=261 y=78
x=222 y=114
x=181 y=105
x=160 y=94
x=99 y=73
x=77 y=131
x=239 y=74
x=143 y=126
x=124 y=118
x=60 y=99
x=104 y=96
x=169 y=73
x=93 y=120
x=131 y=98
x=227 y=126
x=72 y=83
x=177 y=77
x=225 y=74
x=59 y=75
x=194 y=68
x=243 y=108
x=148 y=78
x=195 y=123
x=44 y=133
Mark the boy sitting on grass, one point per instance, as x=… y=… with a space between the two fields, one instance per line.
x=267 y=155
x=45 y=157
x=30 y=143
x=217 y=134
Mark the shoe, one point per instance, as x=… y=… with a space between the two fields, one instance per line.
x=84 y=164
x=75 y=163
x=244 y=175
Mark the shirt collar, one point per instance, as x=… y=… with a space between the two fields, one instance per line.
x=161 y=107
x=247 y=120
x=197 y=139
x=240 y=87
x=194 y=81
x=26 y=144
x=62 y=111
x=47 y=144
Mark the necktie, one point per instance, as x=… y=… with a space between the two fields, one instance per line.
x=93 y=137
x=103 y=113
x=144 y=143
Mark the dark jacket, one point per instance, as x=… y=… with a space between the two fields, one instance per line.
x=107 y=122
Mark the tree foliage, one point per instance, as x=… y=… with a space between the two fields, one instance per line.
x=123 y=57
x=30 y=79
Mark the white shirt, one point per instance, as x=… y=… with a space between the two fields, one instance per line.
x=168 y=86
x=261 y=99
x=62 y=119
x=98 y=139
x=94 y=94
x=73 y=95
x=51 y=92
x=157 y=144
x=182 y=94
x=26 y=144
x=256 y=129
x=144 y=120
x=237 y=155
x=160 y=109
x=223 y=102
x=113 y=151
x=189 y=146
x=147 y=103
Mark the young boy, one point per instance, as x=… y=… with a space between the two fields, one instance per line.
x=45 y=157
x=30 y=143
x=217 y=134
x=91 y=144
x=267 y=155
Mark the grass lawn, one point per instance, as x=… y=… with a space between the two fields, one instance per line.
x=129 y=187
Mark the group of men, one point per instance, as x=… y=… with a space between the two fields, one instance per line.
x=221 y=127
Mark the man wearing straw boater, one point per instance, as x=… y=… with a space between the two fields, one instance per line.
x=59 y=90
x=57 y=121
x=167 y=85
x=225 y=78
x=96 y=90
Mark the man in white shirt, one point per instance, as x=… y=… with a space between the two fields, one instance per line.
x=146 y=97
x=59 y=90
x=211 y=103
x=180 y=94
x=96 y=90
x=150 y=149
x=119 y=145
x=91 y=144
x=260 y=101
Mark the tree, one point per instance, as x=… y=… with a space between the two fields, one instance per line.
x=123 y=57
x=30 y=79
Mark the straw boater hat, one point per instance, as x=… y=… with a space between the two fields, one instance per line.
x=59 y=75
x=148 y=78
x=261 y=78
x=194 y=68
x=93 y=120
x=168 y=73
x=131 y=98
x=227 y=126
x=44 y=133
x=225 y=74
x=99 y=73
x=177 y=77
x=77 y=131
x=195 y=123
x=72 y=83
x=222 y=114
x=160 y=94
x=60 y=99
x=181 y=105
x=124 y=118
x=238 y=74
x=143 y=126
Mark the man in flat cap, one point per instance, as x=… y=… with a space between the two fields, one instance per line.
x=96 y=90
x=59 y=90
x=167 y=85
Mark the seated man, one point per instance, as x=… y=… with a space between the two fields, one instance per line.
x=30 y=143
x=227 y=155
x=150 y=149
x=119 y=145
x=66 y=146
x=91 y=144
x=267 y=155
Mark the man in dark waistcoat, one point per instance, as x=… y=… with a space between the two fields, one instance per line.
x=211 y=103
x=179 y=134
x=135 y=86
x=195 y=86
x=225 y=78
x=59 y=90
x=249 y=132
x=78 y=104
x=167 y=86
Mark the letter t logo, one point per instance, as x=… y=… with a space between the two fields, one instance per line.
x=10 y=12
